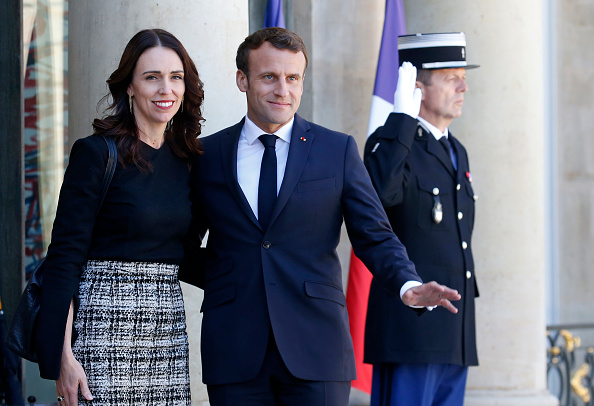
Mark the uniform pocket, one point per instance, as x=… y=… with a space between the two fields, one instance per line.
x=436 y=203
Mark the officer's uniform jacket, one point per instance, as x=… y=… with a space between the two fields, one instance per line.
x=430 y=206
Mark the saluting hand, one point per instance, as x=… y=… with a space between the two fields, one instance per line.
x=407 y=98
x=431 y=294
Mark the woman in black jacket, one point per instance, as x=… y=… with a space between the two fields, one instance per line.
x=112 y=311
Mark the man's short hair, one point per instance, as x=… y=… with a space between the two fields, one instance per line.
x=279 y=38
x=424 y=76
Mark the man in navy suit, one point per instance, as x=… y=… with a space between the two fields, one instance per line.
x=275 y=326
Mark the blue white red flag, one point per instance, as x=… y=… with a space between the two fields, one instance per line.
x=381 y=106
x=274 y=14
x=386 y=75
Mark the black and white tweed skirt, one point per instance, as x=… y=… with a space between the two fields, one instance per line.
x=132 y=340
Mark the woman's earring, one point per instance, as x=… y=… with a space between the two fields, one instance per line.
x=130 y=102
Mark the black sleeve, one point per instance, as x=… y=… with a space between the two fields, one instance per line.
x=192 y=266
x=191 y=269
x=71 y=238
x=385 y=156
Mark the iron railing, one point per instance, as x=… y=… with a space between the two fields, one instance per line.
x=570 y=366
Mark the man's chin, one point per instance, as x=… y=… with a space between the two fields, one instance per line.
x=281 y=119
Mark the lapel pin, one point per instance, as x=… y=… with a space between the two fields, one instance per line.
x=302 y=139
x=469 y=176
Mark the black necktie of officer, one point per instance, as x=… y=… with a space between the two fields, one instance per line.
x=448 y=147
x=267 y=185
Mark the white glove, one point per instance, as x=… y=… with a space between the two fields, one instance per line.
x=407 y=98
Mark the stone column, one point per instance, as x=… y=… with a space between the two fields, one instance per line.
x=575 y=177
x=210 y=31
x=503 y=129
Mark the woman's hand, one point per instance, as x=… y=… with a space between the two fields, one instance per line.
x=72 y=376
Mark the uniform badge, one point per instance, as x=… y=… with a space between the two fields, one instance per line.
x=437 y=211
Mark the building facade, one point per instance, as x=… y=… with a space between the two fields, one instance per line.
x=526 y=126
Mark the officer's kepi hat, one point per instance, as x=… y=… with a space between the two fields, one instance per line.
x=434 y=51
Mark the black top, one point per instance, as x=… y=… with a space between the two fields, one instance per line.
x=145 y=217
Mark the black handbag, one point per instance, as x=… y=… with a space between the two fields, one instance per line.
x=20 y=338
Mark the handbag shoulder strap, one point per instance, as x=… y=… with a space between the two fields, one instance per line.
x=109 y=168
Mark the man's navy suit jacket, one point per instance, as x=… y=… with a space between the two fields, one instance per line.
x=286 y=279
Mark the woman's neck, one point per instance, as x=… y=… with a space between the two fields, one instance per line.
x=155 y=137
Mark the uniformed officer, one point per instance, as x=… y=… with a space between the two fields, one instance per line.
x=422 y=176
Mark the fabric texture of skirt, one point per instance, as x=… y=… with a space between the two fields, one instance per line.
x=132 y=340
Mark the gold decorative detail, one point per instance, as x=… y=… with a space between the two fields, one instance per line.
x=577 y=385
x=555 y=351
x=571 y=342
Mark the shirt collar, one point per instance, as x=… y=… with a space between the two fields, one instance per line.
x=432 y=129
x=252 y=131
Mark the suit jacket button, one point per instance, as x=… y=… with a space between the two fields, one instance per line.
x=266 y=244
x=468 y=274
x=458 y=186
x=460 y=215
x=464 y=245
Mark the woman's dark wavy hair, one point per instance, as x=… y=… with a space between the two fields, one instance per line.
x=182 y=135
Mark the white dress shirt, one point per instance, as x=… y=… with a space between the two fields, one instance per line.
x=249 y=158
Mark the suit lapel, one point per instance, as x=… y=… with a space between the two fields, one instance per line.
x=229 y=142
x=435 y=148
x=301 y=139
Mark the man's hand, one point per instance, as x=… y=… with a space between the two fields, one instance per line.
x=407 y=98
x=431 y=294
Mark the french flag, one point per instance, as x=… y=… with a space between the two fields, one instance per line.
x=381 y=106
x=274 y=16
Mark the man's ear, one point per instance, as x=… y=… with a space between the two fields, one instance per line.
x=421 y=86
x=242 y=81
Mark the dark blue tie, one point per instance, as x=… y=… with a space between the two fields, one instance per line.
x=448 y=147
x=267 y=185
